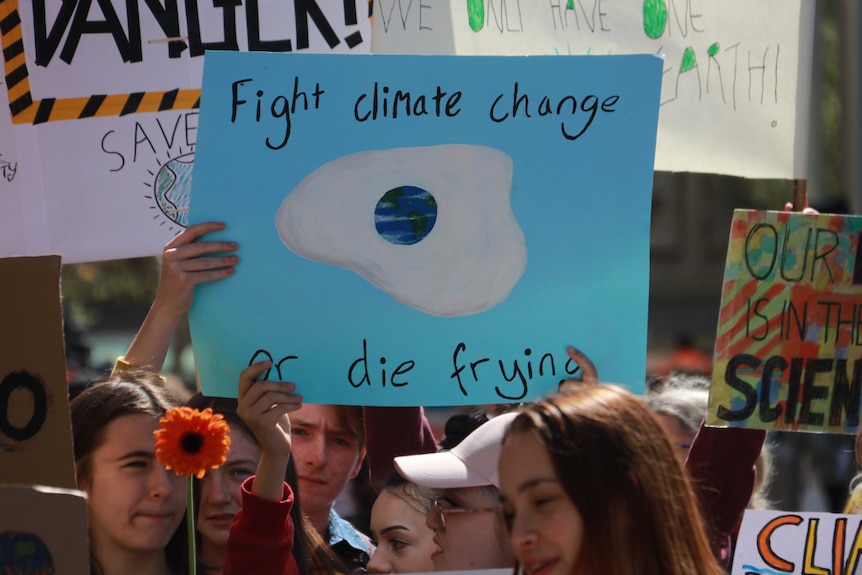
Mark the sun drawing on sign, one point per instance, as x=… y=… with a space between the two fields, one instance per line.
x=171 y=187
x=431 y=226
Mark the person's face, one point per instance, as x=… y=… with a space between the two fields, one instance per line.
x=473 y=540
x=326 y=452
x=545 y=528
x=134 y=503
x=221 y=493
x=680 y=439
x=404 y=542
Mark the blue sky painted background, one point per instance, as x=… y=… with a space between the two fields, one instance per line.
x=583 y=206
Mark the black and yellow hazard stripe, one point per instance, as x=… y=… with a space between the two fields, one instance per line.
x=15 y=65
x=26 y=110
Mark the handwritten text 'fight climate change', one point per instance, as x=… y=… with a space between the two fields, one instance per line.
x=575 y=113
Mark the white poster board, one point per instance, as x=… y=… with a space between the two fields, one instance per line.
x=99 y=115
x=797 y=542
x=737 y=75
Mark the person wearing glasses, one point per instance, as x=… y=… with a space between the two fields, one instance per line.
x=404 y=541
x=720 y=463
x=465 y=515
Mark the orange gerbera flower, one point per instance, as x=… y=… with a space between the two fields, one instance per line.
x=190 y=441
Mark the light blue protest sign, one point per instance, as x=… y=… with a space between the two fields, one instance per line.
x=426 y=230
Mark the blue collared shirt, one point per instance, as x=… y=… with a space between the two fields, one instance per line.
x=351 y=545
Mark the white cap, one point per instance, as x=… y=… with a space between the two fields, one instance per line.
x=471 y=463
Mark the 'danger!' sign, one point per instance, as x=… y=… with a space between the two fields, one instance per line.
x=99 y=110
x=788 y=354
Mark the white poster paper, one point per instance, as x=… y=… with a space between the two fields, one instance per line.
x=737 y=74
x=799 y=543
x=98 y=136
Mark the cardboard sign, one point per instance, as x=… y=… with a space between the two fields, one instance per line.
x=426 y=230
x=43 y=530
x=788 y=353
x=35 y=425
x=736 y=80
x=781 y=542
x=100 y=106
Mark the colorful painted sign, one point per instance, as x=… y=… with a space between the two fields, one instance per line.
x=426 y=230
x=781 y=542
x=35 y=425
x=788 y=353
x=736 y=80
x=99 y=106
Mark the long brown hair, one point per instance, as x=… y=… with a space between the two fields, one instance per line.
x=132 y=392
x=618 y=468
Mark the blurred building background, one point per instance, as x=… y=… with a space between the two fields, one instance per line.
x=106 y=302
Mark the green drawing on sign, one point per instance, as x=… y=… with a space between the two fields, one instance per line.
x=476 y=13
x=655 y=18
x=713 y=50
x=570 y=5
x=689 y=60
x=24 y=554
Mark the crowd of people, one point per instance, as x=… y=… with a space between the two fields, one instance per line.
x=592 y=479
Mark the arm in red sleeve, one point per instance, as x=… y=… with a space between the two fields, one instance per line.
x=721 y=465
x=261 y=536
x=394 y=431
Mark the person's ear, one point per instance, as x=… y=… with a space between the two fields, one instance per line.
x=83 y=479
x=355 y=471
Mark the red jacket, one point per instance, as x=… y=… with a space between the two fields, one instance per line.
x=261 y=536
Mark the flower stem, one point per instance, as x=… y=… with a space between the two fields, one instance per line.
x=190 y=524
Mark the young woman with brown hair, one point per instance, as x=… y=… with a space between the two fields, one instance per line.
x=590 y=484
x=135 y=504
